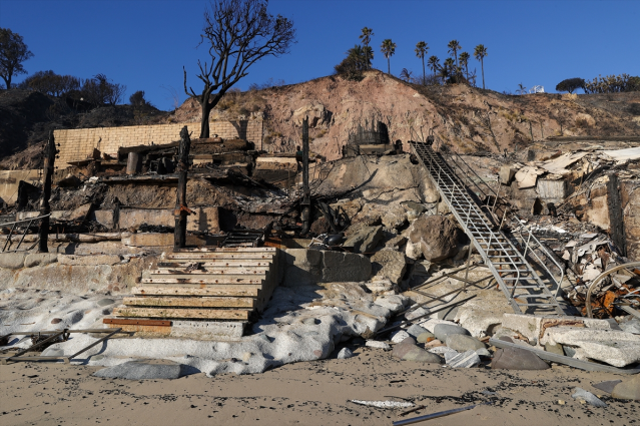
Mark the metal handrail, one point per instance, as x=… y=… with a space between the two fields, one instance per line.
x=514 y=218
x=14 y=225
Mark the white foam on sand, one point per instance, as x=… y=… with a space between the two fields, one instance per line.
x=300 y=324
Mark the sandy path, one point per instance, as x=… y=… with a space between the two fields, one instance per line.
x=310 y=393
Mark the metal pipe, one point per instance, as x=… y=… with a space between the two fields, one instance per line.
x=435 y=415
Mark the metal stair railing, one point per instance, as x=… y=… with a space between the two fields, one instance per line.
x=533 y=247
x=495 y=248
x=6 y=248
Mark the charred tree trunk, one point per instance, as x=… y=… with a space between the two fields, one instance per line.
x=181 y=211
x=306 y=200
x=204 y=123
x=45 y=209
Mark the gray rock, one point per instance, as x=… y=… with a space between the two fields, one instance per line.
x=105 y=302
x=425 y=337
x=396 y=243
x=629 y=389
x=417 y=313
x=607 y=386
x=580 y=393
x=364 y=239
x=462 y=343
x=420 y=355
x=56 y=321
x=344 y=353
x=441 y=331
x=40 y=259
x=399 y=336
x=53 y=352
x=436 y=235
x=568 y=351
x=133 y=370
x=416 y=330
x=554 y=349
x=401 y=349
x=377 y=344
x=483 y=352
x=516 y=359
x=467 y=359
x=389 y=264
x=448 y=314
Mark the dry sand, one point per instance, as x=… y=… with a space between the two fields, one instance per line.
x=307 y=393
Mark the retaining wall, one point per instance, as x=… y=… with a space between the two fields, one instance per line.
x=78 y=144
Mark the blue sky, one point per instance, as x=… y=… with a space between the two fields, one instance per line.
x=144 y=44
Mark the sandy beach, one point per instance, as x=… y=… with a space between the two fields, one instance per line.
x=308 y=393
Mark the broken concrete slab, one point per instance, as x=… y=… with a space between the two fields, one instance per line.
x=533 y=327
x=613 y=347
x=12 y=260
x=364 y=239
x=607 y=386
x=579 y=393
x=517 y=359
x=95 y=260
x=483 y=313
x=40 y=259
x=507 y=173
x=528 y=176
x=467 y=359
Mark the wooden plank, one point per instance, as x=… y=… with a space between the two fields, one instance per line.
x=155 y=323
x=165 y=331
x=191 y=302
x=227 y=250
x=186 y=279
x=223 y=314
x=232 y=270
x=212 y=263
x=198 y=290
x=188 y=256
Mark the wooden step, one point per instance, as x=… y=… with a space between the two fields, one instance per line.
x=206 y=279
x=221 y=314
x=238 y=270
x=213 y=263
x=192 y=302
x=197 y=290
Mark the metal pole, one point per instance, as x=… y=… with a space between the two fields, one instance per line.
x=45 y=208
x=181 y=211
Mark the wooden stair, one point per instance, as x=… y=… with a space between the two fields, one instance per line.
x=225 y=284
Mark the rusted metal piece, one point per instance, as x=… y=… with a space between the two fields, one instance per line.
x=589 y=310
x=55 y=335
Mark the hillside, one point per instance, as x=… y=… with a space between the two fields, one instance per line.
x=467 y=118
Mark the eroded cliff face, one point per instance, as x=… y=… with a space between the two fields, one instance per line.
x=464 y=118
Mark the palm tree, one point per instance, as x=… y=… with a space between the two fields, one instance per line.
x=479 y=53
x=421 y=50
x=521 y=89
x=454 y=46
x=388 y=48
x=365 y=37
x=406 y=75
x=464 y=60
x=434 y=64
x=448 y=69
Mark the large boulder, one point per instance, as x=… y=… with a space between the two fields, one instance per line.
x=389 y=264
x=436 y=236
x=304 y=266
x=363 y=239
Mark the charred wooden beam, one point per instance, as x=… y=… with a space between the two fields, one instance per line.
x=45 y=208
x=182 y=211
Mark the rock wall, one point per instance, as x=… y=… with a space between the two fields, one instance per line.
x=78 y=144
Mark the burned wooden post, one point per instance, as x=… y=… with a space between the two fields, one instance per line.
x=45 y=209
x=181 y=211
x=306 y=199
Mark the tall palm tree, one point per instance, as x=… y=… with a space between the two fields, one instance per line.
x=367 y=52
x=454 y=46
x=388 y=48
x=479 y=53
x=434 y=64
x=365 y=37
x=464 y=60
x=421 y=50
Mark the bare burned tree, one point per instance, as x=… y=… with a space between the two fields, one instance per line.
x=240 y=32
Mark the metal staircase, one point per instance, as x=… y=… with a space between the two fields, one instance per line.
x=508 y=263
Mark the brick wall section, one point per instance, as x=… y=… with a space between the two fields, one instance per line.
x=78 y=144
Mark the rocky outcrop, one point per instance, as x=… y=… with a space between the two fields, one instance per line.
x=434 y=237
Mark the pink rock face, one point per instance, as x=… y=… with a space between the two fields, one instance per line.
x=436 y=235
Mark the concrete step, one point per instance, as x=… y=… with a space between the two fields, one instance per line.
x=197 y=290
x=205 y=279
x=191 y=302
x=220 y=314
